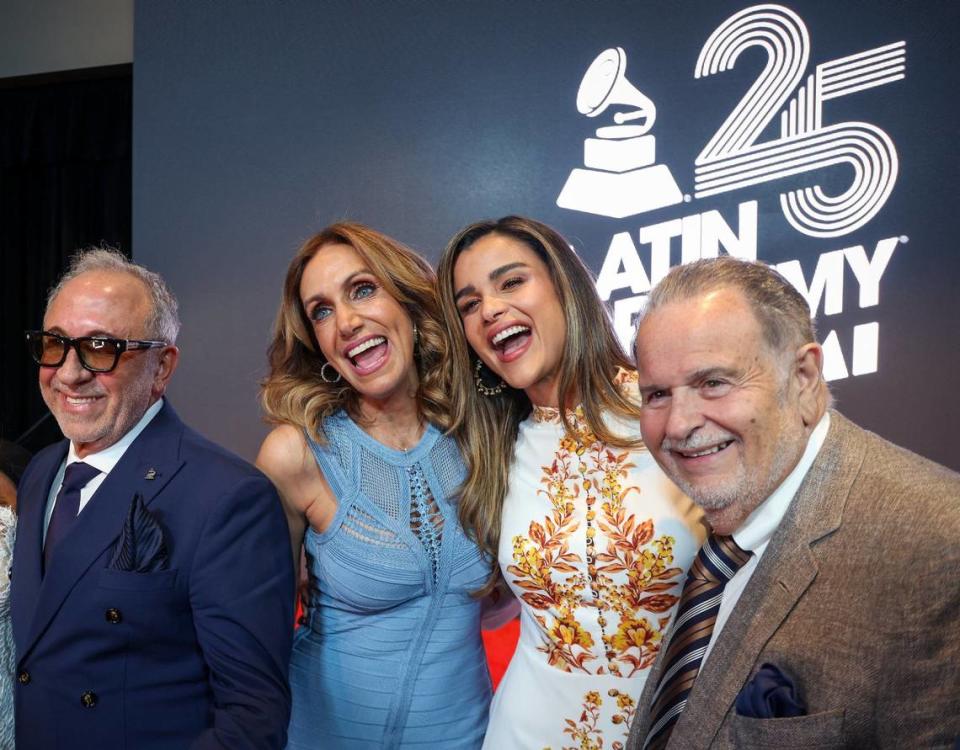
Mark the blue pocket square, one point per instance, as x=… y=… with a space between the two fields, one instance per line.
x=141 y=547
x=770 y=694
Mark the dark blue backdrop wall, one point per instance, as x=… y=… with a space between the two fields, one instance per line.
x=820 y=137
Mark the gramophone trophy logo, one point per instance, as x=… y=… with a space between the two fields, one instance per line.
x=621 y=177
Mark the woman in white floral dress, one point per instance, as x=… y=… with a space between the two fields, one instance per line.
x=591 y=536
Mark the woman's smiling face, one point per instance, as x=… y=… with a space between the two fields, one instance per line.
x=511 y=314
x=360 y=328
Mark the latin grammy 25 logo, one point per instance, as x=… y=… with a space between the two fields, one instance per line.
x=620 y=176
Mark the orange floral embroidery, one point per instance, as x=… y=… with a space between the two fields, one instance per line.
x=632 y=572
x=546 y=550
x=585 y=731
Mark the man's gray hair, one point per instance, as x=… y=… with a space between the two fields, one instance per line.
x=782 y=311
x=163 y=322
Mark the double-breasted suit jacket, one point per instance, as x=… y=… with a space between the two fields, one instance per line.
x=193 y=655
x=857 y=596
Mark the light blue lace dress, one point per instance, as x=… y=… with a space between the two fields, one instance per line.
x=8 y=527
x=390 y=655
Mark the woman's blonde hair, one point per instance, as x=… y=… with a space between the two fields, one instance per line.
x=592 y=356
x=295 y=392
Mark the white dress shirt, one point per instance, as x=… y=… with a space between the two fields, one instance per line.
x=104 y=460
x=754 y=534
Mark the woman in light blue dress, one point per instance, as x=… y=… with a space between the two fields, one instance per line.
x=388 y=653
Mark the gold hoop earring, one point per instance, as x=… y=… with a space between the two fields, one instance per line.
x=482 y=388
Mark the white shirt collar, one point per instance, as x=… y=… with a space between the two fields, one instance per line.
x=106 y=459
x=755 y=532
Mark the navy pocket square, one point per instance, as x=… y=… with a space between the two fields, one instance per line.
x=770 y=694
x=141 y=547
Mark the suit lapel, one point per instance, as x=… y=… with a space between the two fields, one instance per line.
x=751 y=624
x=28 y=549
x=155 y=453
x=772 y=592
x=785 y=571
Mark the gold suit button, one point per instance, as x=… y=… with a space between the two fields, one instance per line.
x=88 y=699
x=24 y=677
x=113 y=615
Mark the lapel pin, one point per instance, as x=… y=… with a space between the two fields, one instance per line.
x=151 y=474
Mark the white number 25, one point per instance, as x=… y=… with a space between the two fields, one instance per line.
x=733 y=159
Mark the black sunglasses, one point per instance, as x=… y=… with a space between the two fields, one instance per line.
x=96 y=353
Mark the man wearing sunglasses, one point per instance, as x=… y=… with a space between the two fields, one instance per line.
x=152 y=587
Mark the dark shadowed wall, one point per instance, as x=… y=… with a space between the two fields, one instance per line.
x=257 y=123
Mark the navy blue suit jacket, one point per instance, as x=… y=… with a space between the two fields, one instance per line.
x=192 y=656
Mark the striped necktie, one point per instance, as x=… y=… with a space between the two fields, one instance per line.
x=719 y=559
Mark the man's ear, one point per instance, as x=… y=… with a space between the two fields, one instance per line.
x=166 y=364
x=807 y=375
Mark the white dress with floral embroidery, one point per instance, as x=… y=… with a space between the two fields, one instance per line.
x=595 y=542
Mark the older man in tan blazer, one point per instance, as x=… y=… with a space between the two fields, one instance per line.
x=824 y=611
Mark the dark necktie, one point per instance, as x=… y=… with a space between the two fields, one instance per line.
x=67 y=506
x=716 y=563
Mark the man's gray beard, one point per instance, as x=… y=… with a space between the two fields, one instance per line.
x=750 y=491
x=719 y=498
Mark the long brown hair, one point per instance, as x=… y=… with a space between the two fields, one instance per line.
x=592 y=356
x=295 y=392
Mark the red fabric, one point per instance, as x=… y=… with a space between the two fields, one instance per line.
x=500 y=645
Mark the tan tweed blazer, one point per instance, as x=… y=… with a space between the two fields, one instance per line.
x=858 y=596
